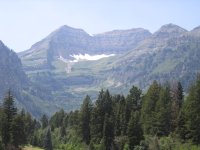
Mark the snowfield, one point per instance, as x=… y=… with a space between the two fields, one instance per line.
x=87 y=57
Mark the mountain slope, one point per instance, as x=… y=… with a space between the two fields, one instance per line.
x=11 y=72
x=60 y=64
x=13 y=77
x=67 y=41
x=164 y=56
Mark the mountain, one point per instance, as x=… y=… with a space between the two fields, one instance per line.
x=171 y=53
x=69 y=63
x=67 y=41
x=11 y=72
x=13 y=77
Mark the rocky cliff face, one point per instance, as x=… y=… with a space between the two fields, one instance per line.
x=67 y=41
x=119 y=41
x=12 y=75
x=171 y=53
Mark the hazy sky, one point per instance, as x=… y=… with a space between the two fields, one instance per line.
x=24 y=22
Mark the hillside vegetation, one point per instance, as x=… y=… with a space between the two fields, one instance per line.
x=160 y=119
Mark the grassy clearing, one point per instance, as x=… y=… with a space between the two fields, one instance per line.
x=31 y=148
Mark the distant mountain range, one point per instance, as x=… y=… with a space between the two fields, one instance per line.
x=69 y=63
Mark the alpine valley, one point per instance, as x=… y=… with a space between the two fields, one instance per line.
x=61 y=69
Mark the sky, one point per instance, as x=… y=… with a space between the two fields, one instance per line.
x=25 y=22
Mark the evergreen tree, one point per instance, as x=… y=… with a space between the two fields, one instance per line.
x=96 y=125
x=9 y=111
x=135 y=133
x=162 y=115
x=133 y=102
x=29 y=125
x=47 y=141
x=62 y=131
x=103 y=106
x=181 y=129
x=57 y=119
x=85 y=113
x=119 y=115
x=176 y=103
x=192 y=112
x=18 y=136
x=108 y=134
x=44 y=121
x=148 y=108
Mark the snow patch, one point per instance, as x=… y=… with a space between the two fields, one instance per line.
x=81 y=57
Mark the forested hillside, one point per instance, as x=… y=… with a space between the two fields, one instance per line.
x=160 y=119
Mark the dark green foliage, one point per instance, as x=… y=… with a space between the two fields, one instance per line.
x=5 y=131
x=191 y=110
x=18 y=136
x=1 y=146
x=133 y=102
x=160 y=121
x=119 y=115
x=162 y=115
x=29 y=125
x=135 y=133
x=148 y=108
x=62 y=131
x=15 y=129
x=47 y=141
x=96 y=124
x=85 y=113
x=108 y=134
x=176 y=103
x=44 y=121
x=181 y=129
x=74 y=119
x=103 y=106
x=9 y=111
x=91 y=146
x=57 y=119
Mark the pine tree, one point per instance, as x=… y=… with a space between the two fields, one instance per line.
x=44 y=121
x=181 y=129
x=176 y=103
x=47 y=141
x=103 y=106
x=119 y=114
x=192 y=112
x=108 y=134
x=62 y=131
x=57 y=119
x=135 y=133
x=9 y=111
x=18 y=136
x=29 y=124
x=85 y=113
x=162 y=115
x=96 y=127
x=148 y=108
x=133 y=102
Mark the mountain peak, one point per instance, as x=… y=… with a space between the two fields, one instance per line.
x=1 y=43
x=66 y=28
x=195 y=31
x=196 y=28
x=170 y=30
